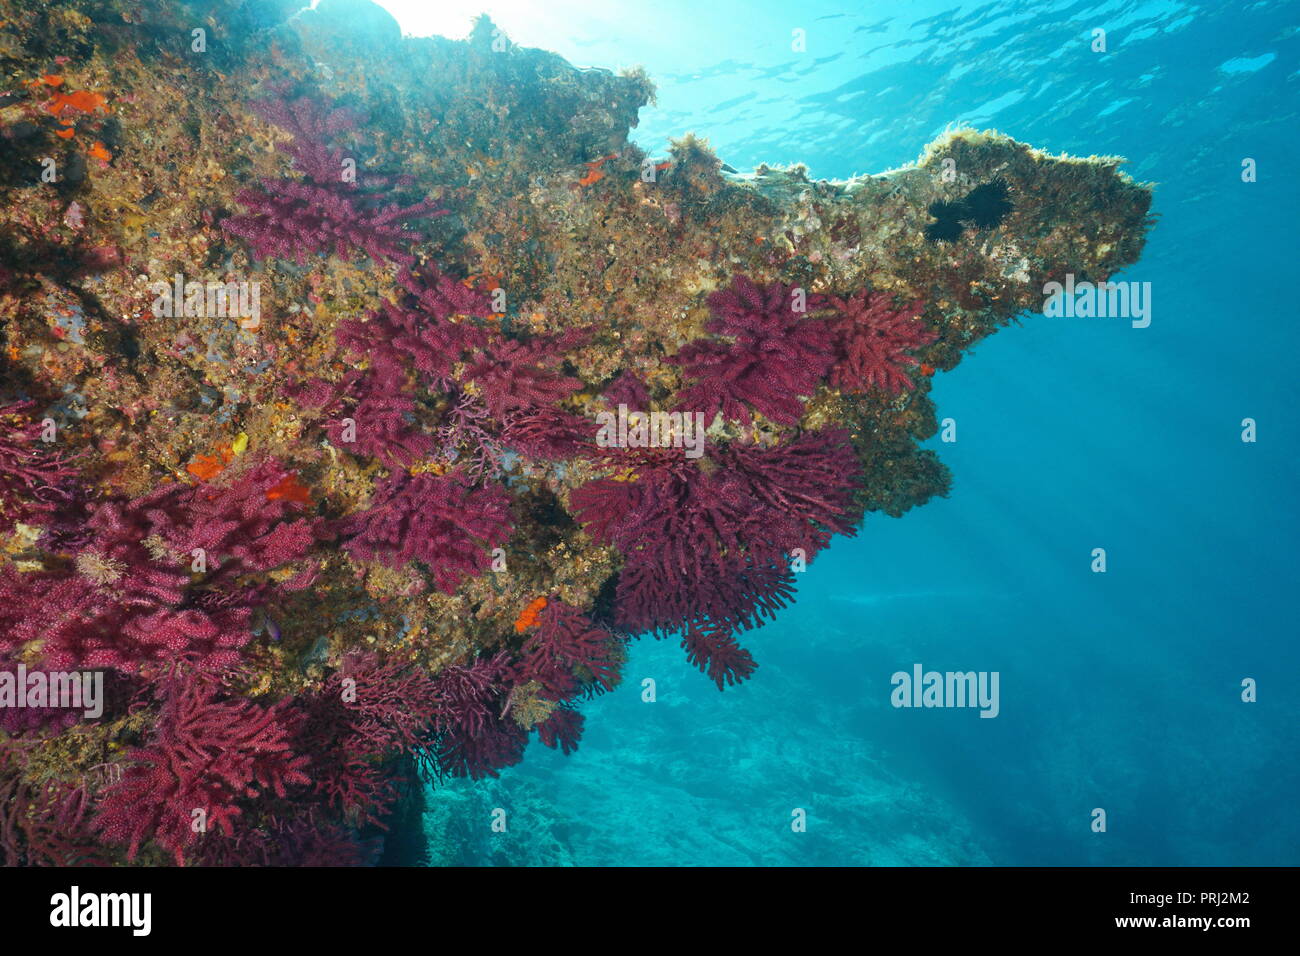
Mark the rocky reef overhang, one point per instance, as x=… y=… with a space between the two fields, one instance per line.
x=275 y=437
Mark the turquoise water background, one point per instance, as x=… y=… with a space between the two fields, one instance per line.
x=1118 y=690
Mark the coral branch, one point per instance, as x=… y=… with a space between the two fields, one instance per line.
x=772 y=354
x=874 y=341
x=207 y=756
x=439 y=521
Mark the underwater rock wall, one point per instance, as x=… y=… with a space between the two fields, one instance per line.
x=362 y=395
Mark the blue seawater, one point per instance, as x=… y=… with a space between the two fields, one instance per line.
x=1120 y=691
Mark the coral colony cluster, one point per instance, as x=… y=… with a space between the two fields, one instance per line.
x=326 y=210
x=379 y=538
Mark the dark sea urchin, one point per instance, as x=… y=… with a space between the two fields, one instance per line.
x=984 y=207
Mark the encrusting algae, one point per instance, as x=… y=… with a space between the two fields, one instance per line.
x=319 y=338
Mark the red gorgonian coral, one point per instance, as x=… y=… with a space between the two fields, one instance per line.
x=438 y=520
x=294 y=220
x=381 y=425
x=474 y=738
x=327 y=211
x=875 y=337
x=803 y=488
x=428 y=329
x=312 y=124
x=367 y=413
x=708 y=547
x=466 y=438
x=513 y=373
x=44 y=824
x=307 y=838
x=548 y=433
x=172 y=575
x=627 y=389
x=567 y=651
x=207 y=755
x=771 y=353
x=36 y=480
x=562 y=730
x=712 y=647
x=364 y=715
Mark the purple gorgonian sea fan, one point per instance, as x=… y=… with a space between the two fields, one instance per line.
x=36 y=479
x=44 y=822
x=174 y=575
x=712 y=647
x=627 y=389
x=312 y=125
x=765 y=353
x=364 y=714
x=367 y=413
x=381 y=425
x=875 y=337
x=567 y=653
x=474 y=736
x=332 y=208
x=708 y=546
x=513 y=374
x=442 y=521
x=548 y=433
x=363 y=721
x=208 y=752
x=485 y=709
x=428 y=328
x=467 y=436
